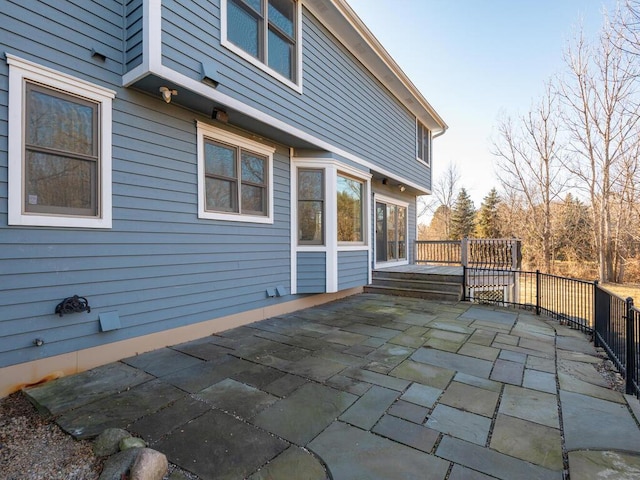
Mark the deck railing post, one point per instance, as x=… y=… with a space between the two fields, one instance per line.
x=464 y=252
x=596 y=317
x=630 y=368
x=537 y=292
x=464 y=283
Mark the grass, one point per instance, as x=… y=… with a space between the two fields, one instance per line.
x=624 y=290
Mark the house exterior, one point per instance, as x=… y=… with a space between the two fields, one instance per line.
x=187 y=166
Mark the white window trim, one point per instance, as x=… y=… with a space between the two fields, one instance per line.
x=426 y=162
x=297 y=85
x=20 y=71
x=205 y=130
x=394 y=201
x=331 y=248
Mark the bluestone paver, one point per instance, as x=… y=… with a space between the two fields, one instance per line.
x=423 y=373
x=117 y=410
x=305 y=413
x=230 y=450
x=407 y=433
x=368 y=409
x=237 y=398
x=460 y=424
x=157 y=425
x=533 y=405
x=353 y=386
x=452 y=361
x=163 y=361
x=541 y=445
x=421 y=395
x=294 y=462
x=584 y=416
x=409 y=411
x=377 y=457
x=507 y=372
x=598 y=465
x=537 y=380
x=471 y=399
x=491 y=462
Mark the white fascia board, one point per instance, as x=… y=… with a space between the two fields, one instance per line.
x=179 y=80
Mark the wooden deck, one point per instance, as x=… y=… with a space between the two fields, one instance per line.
x=424 y=269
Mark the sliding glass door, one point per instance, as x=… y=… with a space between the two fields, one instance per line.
x=391 y=232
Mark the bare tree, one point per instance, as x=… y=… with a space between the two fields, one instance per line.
x=445 y=192
x=529 y=165
x=601 y=115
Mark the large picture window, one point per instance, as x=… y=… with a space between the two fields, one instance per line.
x=235 y=177
x=59 y=149
x=311 y=206
x=350 y=209
x=265 y=32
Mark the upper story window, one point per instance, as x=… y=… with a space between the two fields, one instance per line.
x=423 y=143
x=267 y=33
x=235 y=177
x=59 y=149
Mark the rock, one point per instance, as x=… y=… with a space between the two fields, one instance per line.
x=149 y=465
x=132 y=442
x=108 y=442
x=117 y=466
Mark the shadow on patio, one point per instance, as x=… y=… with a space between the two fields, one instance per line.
x=371 y=386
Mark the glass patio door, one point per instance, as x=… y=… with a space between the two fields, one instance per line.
x=391 y=232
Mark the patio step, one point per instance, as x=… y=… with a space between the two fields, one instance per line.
x=419 y=285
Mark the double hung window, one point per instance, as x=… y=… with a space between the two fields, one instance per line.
x=59 y=149
x=267 y=32
x=423 y=143
x=235 y=177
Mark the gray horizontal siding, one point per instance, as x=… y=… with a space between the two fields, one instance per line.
x=353 y=269
x=342 y=102
x=133 y=34
x=312 y=272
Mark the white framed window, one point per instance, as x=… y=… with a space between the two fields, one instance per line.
x=350 y=210
x=268 y=34
x=59 y=148
x=235 y=177
x=423 y=143
x=311 y=206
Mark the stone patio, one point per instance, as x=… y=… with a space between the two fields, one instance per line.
x=373 y=387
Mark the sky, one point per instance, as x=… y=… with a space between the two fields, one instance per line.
x=476 y=61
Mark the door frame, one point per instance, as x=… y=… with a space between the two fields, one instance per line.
x=378 y=198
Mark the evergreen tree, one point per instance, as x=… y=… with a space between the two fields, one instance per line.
x=488 y=221
x=463 y=216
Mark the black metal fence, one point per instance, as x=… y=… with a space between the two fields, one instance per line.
x=613 y=322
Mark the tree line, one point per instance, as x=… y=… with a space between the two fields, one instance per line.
x=568 y=169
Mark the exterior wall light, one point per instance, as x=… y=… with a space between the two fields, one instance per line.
x=167 y=93
x=402 y=188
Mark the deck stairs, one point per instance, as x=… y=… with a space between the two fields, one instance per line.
x=430 y=283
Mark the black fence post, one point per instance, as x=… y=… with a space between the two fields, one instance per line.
x=464 y=283
x=537 y=292
x=596 y=330
x=631 y=370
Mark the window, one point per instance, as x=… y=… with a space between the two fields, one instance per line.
x=59 y=149
x=311 y=207
x=235 y=177
x=265 y=32
x=423 y=143
x=350 y=209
